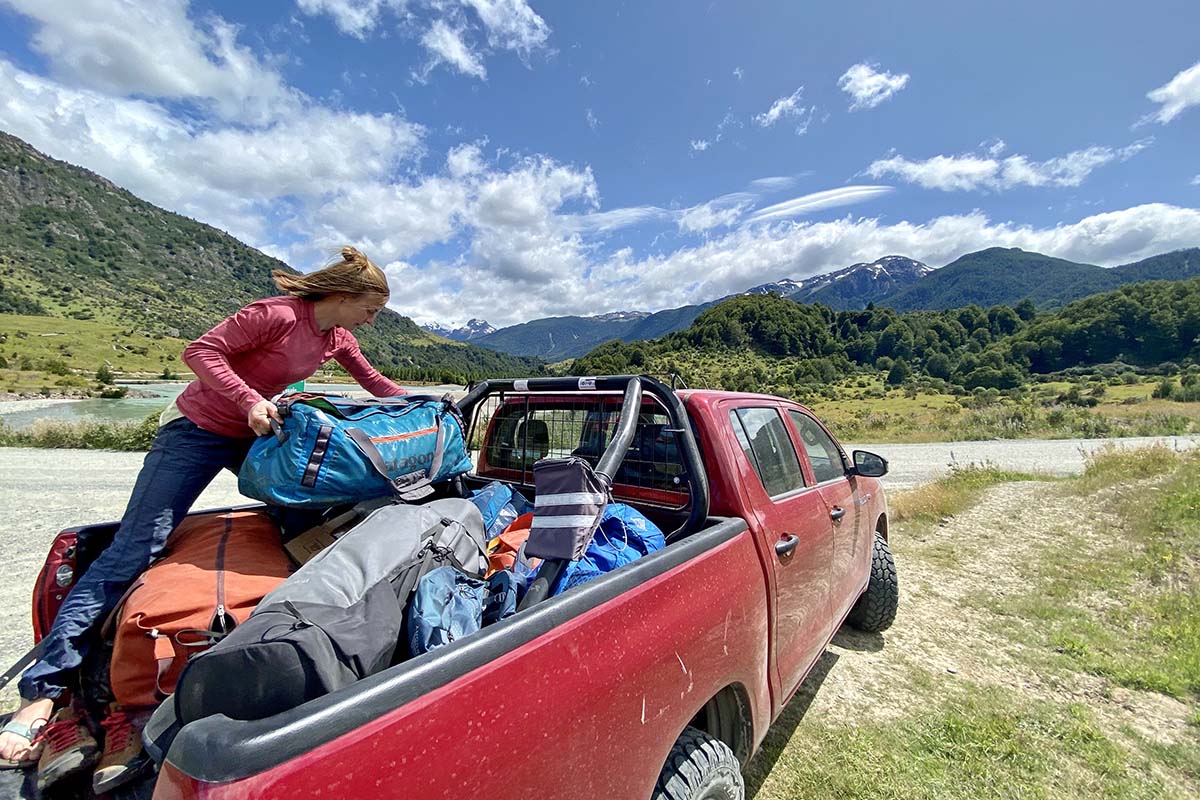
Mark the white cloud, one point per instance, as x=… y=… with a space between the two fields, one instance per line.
x=867 y=87
x=511 y=24
x=786 y=107
x=156 y=51
x=994 y=147
x=592 y=121
x=355 y=18
x=613 y=220
x=448 y=32
x=775 y=183
x=700 y=145
x=1177 y=95
x=972 y=172
x=447 y=46
x=229 y=177
x=718 y=213
x=466 y=159
x=1196 y=180
x=757 y=254
x=738 y=73
x=818 y=201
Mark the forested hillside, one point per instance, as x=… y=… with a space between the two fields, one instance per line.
x=1008 y=275
x=744 y=341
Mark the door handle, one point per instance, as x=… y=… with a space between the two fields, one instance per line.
x=837 y=513
x=786 y=545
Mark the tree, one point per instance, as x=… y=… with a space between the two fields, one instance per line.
x=899 y=373
x=938 y=366
x=104 y=374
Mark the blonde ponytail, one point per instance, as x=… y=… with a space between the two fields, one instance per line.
x=353 y=273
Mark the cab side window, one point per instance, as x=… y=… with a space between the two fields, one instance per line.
x=823 y=454
x=764 y=438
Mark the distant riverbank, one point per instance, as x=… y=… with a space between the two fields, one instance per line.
x=22 y=413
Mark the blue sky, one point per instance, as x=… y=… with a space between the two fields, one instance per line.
x=509 y=160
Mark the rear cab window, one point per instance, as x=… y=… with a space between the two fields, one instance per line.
x=510 y=433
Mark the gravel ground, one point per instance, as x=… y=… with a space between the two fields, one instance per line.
x=44 y=491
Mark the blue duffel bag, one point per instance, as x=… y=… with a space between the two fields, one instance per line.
x=332 y=450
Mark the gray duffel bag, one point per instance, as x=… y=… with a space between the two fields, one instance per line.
x=335 y=620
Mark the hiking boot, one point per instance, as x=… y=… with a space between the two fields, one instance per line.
x=123 y=758
x=68 y=747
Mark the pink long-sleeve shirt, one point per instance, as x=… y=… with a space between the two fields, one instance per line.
x=257 y=353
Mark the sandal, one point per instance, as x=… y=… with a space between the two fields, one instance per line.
x=29 y=732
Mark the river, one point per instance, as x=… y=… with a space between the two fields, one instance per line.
x=20 y=414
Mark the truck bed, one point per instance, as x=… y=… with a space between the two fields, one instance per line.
x=544 y=670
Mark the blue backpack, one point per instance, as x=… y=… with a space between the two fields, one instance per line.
x=624 y=535
x=333 y=450
x=449 y=604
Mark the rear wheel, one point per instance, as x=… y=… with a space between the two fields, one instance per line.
x=700 y=767
x=876 y=609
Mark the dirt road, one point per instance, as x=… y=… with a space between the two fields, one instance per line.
x=942 y=638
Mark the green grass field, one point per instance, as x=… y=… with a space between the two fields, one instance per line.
x=64 y=354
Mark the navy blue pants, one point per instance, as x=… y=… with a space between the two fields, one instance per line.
x=182 y=461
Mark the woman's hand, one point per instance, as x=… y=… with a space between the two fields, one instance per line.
x=260 y=416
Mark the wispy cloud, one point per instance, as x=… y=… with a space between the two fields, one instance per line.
x=446 y=45
x=818 y=201
x=614 y=220
x=775 y=183
x=972 y=172
x=1176 y=95
x=592 y=120
x=1196 y=181
x=720 y=212
x=355 y=18
x=868 y=87
x=994 y=147
x=738 y=73
x=449 y=31
x=788 y=107
x=700 y=145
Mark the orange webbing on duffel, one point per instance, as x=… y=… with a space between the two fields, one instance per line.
x=171 y=613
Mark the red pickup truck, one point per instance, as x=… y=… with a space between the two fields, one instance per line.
x=659 y=679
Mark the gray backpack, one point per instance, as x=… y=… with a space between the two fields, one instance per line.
x=335 y=620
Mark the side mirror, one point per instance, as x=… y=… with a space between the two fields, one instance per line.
x=869 y=465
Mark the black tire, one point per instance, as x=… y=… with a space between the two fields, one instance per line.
x=876 y=610
x=700 y=768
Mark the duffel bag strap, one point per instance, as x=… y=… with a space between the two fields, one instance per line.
x=414 y=485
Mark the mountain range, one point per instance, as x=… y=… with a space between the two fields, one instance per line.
x=994 y=276
x=73 y=244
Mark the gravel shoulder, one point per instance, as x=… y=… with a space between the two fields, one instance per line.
x=942 y=639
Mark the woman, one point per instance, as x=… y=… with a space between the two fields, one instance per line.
x=239 y=364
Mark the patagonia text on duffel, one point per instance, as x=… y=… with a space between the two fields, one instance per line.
x=332 y=450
